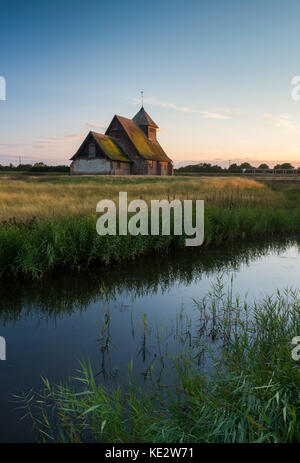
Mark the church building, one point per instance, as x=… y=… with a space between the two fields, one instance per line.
x=129 y=146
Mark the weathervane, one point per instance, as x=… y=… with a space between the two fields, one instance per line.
x=142 y=98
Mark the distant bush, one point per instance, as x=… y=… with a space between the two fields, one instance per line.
x=38 y=167
x=202 y=167
x=284 y=166
x=50 y=169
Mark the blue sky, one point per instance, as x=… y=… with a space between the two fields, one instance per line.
x=216 y=76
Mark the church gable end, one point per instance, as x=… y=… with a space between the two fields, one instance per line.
x=117 y=131
x=89 y=149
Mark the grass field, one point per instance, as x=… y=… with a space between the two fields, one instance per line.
x=23 y=197
x=49 y=221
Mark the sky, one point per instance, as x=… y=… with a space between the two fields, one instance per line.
x=216 y=76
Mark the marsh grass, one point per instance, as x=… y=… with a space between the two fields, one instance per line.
x=61 y=196
x=36 y=248
x=49 y=223
x=250 y=395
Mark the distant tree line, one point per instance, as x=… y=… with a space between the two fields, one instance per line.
x=245 y=166
x=202 y=167
x=37 y=167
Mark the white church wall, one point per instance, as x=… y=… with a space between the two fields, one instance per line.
x=91 y=166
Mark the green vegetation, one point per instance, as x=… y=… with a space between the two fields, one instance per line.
x=201 y=167
x=148 y=276
x=236 y=382
x=50 y=223
x=244 y=167
x=284 y=166
x=35 y=248
x=34 y=168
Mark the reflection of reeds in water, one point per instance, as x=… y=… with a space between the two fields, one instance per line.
x=143 y=349
x=141 y=278
x=250 y=393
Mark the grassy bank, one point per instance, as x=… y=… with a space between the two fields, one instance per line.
x=49 y=223
x=250 y=395
x=35 y=248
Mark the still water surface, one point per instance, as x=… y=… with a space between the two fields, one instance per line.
x=49 y=325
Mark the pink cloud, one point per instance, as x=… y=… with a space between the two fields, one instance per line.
x=65 y=138
x=95 y=125
x=205 y=113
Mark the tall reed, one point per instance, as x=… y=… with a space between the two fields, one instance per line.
x=36 y=248
x=250 y=395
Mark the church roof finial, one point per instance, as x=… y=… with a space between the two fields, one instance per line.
x=142 y=98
